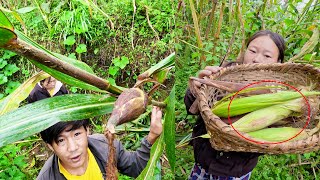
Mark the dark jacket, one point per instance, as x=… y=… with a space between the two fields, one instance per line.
x=217 y=163
x=39 y=93
x=129 y=163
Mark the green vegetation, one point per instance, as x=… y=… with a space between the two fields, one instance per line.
x=212 y=31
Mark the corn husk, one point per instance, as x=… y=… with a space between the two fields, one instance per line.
x=281 y=134
x=265 y=117
x=248 y=104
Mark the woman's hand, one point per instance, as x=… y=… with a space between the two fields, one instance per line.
x=207 y=71
x=155 y=125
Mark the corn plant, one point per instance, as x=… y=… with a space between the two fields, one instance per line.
x=35 y=117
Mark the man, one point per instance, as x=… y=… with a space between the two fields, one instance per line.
x=78 y=155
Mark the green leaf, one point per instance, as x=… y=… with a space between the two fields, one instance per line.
x=12 y=85
x=67 y=15
x=161 y=76
x=81 y=28
x=113 y=70
x=58 y=7
x=70 y=40
x=167 y=62
x=156 y=151
x=195 y=55
x=307 y=155
x=96 y=50
x=288 y=22
x=8 y=54
x=72 y=56
x=81 y=48
x=307 y=57
x=35 y=117
x=19 y=161
x=121 y=63
x=46 y=7
x=75 y=62
x=112 y=81
x=6 y=35
x=5 y=23
x=25 y=9
x=116 y=61
x=124 y=61
x=3 y=63
x=73 y=89
x=3 y=79
x=169 y=129
x=13 y=101
x=10 y=69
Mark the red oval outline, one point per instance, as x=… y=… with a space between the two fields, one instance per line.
x=279 y=82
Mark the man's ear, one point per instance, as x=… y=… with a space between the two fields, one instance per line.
x=88 y=131
x=50 y=147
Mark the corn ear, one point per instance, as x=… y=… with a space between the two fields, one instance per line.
x=252 y=103
x=281 y=134
x=264 y=117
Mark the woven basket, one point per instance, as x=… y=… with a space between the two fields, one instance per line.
x=224 y=137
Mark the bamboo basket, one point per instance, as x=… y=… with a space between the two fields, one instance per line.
x=224 y=137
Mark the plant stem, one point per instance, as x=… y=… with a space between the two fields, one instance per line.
x=159 y=104
x=21 y=47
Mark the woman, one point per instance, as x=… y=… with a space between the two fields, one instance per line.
x=46 y=88
x=263 y=47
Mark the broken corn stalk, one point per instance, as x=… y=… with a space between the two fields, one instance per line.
x=248 y=104
x=264 y=117
x=281 y=134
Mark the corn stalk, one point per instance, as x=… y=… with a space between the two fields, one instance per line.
x=196 y=27
x=211 y=18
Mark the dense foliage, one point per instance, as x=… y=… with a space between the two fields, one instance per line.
x=119 y=40
x=215 y=30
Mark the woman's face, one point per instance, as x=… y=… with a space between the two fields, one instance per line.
x=261 y=50
x=49 y=83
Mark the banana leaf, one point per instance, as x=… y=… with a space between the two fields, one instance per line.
x=36 y=117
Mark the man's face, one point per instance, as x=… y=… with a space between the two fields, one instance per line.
x=71 y=148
